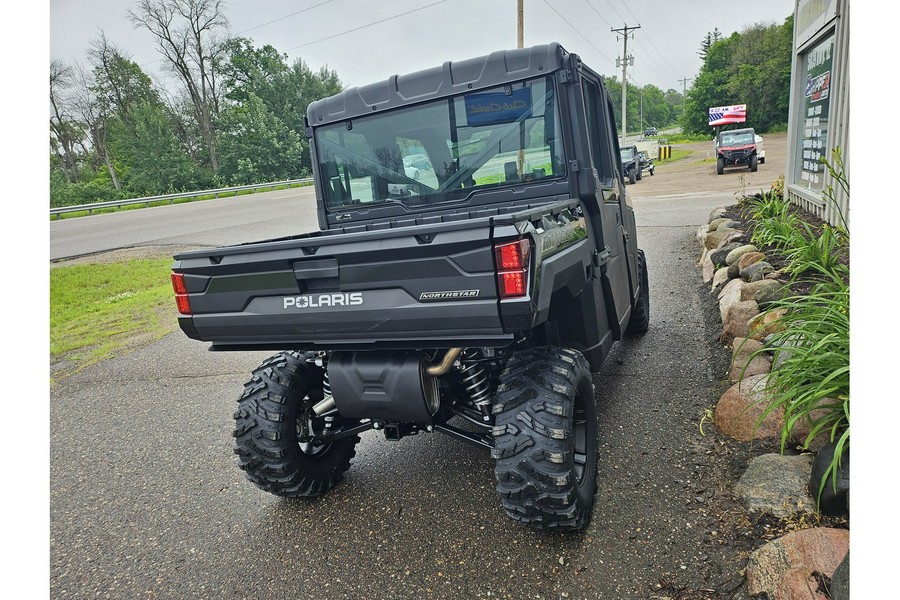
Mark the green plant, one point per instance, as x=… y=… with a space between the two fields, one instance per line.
x=812 y=350
x=817 y=252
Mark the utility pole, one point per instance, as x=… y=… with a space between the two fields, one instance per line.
x=625 y=60
x=521 y=24
x=684 y=91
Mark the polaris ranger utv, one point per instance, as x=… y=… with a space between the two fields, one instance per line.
x=736 y=148
x=474 y=300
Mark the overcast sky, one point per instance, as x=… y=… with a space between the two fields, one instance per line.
x=369 y=41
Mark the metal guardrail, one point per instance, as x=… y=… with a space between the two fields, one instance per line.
x=90 y=208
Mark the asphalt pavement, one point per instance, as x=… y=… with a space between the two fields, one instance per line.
x=147 y=502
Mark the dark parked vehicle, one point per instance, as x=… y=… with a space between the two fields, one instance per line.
x=631 y=163
x=736 y=147
x=475 y=302
x=650 y=132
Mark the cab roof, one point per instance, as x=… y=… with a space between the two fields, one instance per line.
x=452 y=78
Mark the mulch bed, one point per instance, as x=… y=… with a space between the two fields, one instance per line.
x=802 y=283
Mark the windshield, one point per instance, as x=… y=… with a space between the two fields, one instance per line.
x=627 y=153
x=443 y=150
x=736 y=139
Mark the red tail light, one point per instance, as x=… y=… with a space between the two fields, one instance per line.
x=181 y=294
x=512 y=268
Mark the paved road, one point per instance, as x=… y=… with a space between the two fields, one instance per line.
x=218 y=222
x=146 y=501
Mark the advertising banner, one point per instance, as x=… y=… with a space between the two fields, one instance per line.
x=813 y=146
x=723 y=115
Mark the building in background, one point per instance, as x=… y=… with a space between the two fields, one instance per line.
x=819 y=119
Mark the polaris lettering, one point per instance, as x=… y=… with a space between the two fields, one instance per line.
x=331 y=300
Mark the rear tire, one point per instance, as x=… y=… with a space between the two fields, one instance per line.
x=545 y=439
x=640 y=312
x=640 y=173
x=720 y=166
x=274 y=405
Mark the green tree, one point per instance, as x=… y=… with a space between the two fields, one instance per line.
x=285 y=90
x=256 y=145
x=753 y=68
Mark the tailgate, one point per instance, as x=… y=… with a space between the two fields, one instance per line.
x=429 y=286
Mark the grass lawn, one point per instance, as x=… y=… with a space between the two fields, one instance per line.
x=98 y=310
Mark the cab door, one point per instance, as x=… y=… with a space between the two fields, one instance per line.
x=617 y=261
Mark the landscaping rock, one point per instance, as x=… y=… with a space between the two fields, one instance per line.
x=714 y=224
x=730 y=295
x=767 y=323
x=718 y=255
x=737 y=320
x=778 y=485
x=720 y=277
x=701 y=233
x=799 y=584
x=729 y=224
x=817 y=550
x=745 y=361
x=708 y=268
x=757 y=271
x=738 y=411
x=733 y=235
x=764 y=292
x=738 y=252
x=714 y=237
x=748 y=258
x=717 y=213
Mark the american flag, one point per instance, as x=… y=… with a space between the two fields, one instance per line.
x=723 y=115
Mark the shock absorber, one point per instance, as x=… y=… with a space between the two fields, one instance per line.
x=476 y=380
x=327 y=402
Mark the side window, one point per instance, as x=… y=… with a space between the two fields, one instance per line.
x=600 y=151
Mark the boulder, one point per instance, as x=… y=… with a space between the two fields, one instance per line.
x=757 y=271
x=729 y=224
x=799 y=584
x=840 y=581
x=714 y=237
x=778 y=485
x=738 y=252
x=716 y=213
x=745 y=361
x=718 y=255
x=708 y=268
x=720 y=277
x=740 y=408
x=730 y=295
x=816 y=550
x=764 y=292
x=714 y=224
x=701 y=233
x=733 y=235
x=748 y=258
x=767 y=323
x=737 y=320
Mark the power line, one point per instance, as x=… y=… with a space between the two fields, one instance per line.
x=284 y=17
x=599 y=14
x=617 y=13
x=366 y=26
x=625 y=4
x=578 y=32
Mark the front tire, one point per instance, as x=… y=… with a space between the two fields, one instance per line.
x=640 y=173
x=545 y=439
x=640 y=312
x=273 y=415
x=631 y=176
x=720 y=166
x=753 y=164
